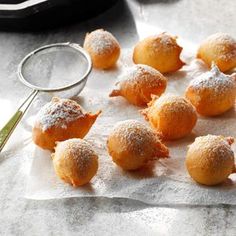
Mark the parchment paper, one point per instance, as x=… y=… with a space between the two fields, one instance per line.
x=162 y=182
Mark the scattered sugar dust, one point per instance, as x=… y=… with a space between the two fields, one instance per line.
x=167 y=182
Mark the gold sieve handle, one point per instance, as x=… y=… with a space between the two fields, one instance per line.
x=10 y=126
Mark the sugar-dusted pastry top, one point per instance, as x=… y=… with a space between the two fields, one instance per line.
x=101 y=41
x=219 y=48
x=133 y=134
x=75 y=161
x=212 y=93
x=59 y=120
x=210 y=159
x=103 y=48
x=138 y=83
x=58 y=112
x=159 y=51
x=172 y=116
x=131 y=145
x=213 y=80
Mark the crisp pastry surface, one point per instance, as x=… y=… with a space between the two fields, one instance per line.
x=219 y=48
x=212 y=93
x=210 y=159
x=161 y=52
x=171 y=116
x=75 y=161
x=103 y=48
x=59 y=120
x=131 y=145
x=138 y=83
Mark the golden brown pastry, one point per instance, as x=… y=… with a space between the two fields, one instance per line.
x=212 y=93
x=161 y=52
x=139 y=83
x=219 y=48
x=131 y=145
x=103 y=48
x=75 y=161
x=171 y=116
x=210 y=159
x=59 y=120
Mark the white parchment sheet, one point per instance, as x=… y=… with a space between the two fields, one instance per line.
x=162 y=182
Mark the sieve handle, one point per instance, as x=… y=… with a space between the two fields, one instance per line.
x=10 y=126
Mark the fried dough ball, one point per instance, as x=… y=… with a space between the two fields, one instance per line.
x=161 y=52
x=75 y=161
x=131 y=145
x=59 y=120
x=139 y=83
x=219 y=48
x=172 y=116
x=103 y=48
x=212 y=93
x=210 y=159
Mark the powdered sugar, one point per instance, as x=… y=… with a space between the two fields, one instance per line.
x=166 y=39
x=213 y=80
x=165 y=42
x=78 y=149
x=140 y=70
x=142 y=73
x=222 y=38
x=58 y=112
x=176 y=104
x=168 y=182
x=224 y=44
x=134 y=135
x=216 y=145
x=101 y=41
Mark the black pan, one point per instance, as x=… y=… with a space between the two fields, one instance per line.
x=41 y=14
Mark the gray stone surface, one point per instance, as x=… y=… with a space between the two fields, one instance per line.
x=192 y=20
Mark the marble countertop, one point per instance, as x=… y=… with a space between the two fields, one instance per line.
x=193 y=21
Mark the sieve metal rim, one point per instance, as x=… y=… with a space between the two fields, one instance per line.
x=75 y=46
